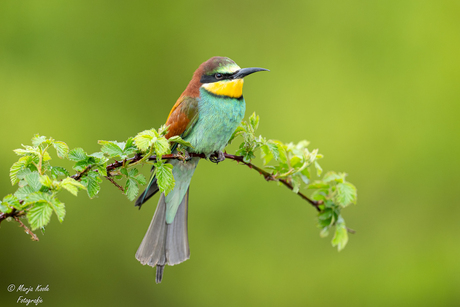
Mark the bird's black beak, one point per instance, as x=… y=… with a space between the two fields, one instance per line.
x=243 y=72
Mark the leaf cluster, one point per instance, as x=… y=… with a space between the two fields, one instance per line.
x=294 y=165
x=39 y=182
x=298 y=166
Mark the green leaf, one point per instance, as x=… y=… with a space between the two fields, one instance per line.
x=4 y=208
x=46 y=181
x=39 y=215
x=15 y=168
x=59 y=171
x=23 y=192
x=161 y=146
x=72 y=185
x=33 y=179
x=62 y=149
x=165 y=177
x=91 y=182
x=77 y=154
x=131 y=189
x=254 y=121
x=324 y=232
x=296 y=182
x=130 y=147
x=239 y=131
x=37 y=140
x=102 y=169
x=296 y=161
x=12 y=201
x=145 y=139
x=319 y=170
x=80 y=166
x=112 y=150
x=318 y=185
x=345 y=194
x=179 y=140
x=59 y=209
x=140 y=179
x=333 y=176
x=341 y=235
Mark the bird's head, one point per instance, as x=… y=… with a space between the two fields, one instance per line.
x=222 y=77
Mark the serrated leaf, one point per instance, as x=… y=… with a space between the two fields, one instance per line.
x=296 y=182
x=112 y=150
x=33 y=180
x=77 y=154
x=46 y=181
x=266 y=154
x=254 y=121
x=140 y=179
x=130 y=147
x=62 y=149
x=319 y=170
x=59 y=209
x=38 y=197
x=39 y=215
x=161 y=146
x=318 y=185
x=102 y=169
x=179 y=140
x=72 y=185
x=91 y=182
x=12 y=201
x=239 y=131
x=319 y=194
x=37 y=140
x=324 y=232
x=4 y=208
x=59 y=171
x=131 y=189
x=340 y=236
x=345 y=194
x=296 y=161
x=80 y=166
x=15 y=168
x=27 y=150
x=23 y=192
x=144 y=139
x=333 y=176
x=165 y=177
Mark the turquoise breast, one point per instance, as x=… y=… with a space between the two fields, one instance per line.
x=218 y=119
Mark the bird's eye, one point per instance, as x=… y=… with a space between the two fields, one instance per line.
x=218 y=76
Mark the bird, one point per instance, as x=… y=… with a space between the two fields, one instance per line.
x=206 y=114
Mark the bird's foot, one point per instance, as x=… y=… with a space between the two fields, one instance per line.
x=184 y=156
x=217 y=157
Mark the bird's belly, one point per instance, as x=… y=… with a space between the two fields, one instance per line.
x=218 y=119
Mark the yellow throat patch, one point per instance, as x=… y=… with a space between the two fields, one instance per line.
x=232 y=89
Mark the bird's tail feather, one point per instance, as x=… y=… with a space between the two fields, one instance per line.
x=152 y=189
x=165 y=243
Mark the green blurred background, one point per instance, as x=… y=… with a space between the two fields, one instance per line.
x=373 y=84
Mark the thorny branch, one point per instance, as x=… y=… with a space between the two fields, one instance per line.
x=117 y=164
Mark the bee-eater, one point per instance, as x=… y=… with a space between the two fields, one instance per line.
x=205 y=115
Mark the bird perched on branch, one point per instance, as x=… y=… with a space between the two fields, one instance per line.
x=205 y=115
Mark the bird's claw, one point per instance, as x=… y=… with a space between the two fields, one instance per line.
x=217 y=157
x=184 y=155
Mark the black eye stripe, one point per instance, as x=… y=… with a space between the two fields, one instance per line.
x=212 y=78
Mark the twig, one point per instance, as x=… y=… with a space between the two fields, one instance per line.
x=270 y=177
x=116 y=184
x=13 y=213
x=117 y=164
x=26 y=229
